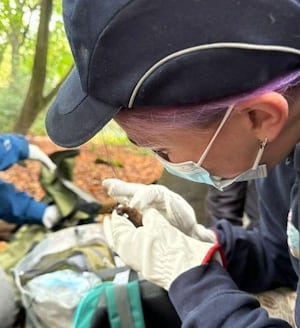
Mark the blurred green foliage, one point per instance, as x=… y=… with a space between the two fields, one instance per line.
x=19 y=20
x=11 y=99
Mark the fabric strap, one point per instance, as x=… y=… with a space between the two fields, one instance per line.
x=118 y=307
x=85 y=311
x=134 y=296
x=124 y=305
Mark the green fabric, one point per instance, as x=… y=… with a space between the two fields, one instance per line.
x=65 y=199
x=50 y=181
x=60 y=190
x=129 y=292
x=113 y=314
x=65 y=161
x=123 y=306
x=23 y=240
x=134 y=297
x=97 y=257
x=86 y=309
x=117 y=318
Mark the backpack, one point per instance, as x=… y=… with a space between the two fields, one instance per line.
x=134 y=304
x=76 y=253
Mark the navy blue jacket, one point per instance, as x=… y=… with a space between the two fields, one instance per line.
x=15 y=206
x=258 y=260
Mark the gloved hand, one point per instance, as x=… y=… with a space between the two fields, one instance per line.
x=51 y=216
x=172 y=206
x=122 y=191
x=157 y=249
x=37 y=154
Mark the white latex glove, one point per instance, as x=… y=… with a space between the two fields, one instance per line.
x=51 y=216
x=172 y=206
x=37 y=154
x=122 y=191
x=157 y=249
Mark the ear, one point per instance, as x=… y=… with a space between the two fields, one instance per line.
x=267 y=114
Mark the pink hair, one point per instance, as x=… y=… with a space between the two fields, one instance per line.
x=156 y=119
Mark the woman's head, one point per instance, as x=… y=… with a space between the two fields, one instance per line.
x=182 y=133
x=177 y=53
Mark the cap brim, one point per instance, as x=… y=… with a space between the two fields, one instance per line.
x=75 y=117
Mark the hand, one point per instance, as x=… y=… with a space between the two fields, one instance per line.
x=171 y=205
x=122 y=191
x=37 y=154
x=157 y=249
x=51 y=216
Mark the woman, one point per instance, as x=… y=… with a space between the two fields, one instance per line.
x=213 y=89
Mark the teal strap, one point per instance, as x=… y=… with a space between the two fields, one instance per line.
x=134 y=297
x=123 y=306
x=113 y=314
x=85 y=310
x=87 y=306
x=102 y=301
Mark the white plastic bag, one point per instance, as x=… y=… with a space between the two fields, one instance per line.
x=58 y=271
x=52 y=298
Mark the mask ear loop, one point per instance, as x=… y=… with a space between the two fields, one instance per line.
x=260 y=153
x=228 y=112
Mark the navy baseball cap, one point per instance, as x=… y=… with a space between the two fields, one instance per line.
x=131 y=53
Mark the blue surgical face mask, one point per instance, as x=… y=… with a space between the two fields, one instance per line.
x=193 y=171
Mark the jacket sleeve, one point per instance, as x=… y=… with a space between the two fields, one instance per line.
x=206 y=296
x=13 y=147
x=259 y=259
x=19 y=207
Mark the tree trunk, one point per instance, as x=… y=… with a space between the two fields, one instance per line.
x=34 y=101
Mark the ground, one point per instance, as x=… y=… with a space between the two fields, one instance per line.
x=88 y=175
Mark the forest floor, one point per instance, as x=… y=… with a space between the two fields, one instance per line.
x=132 y=165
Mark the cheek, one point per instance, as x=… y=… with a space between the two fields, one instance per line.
x=190 y=150
x=231 y=160
x=180 y=155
